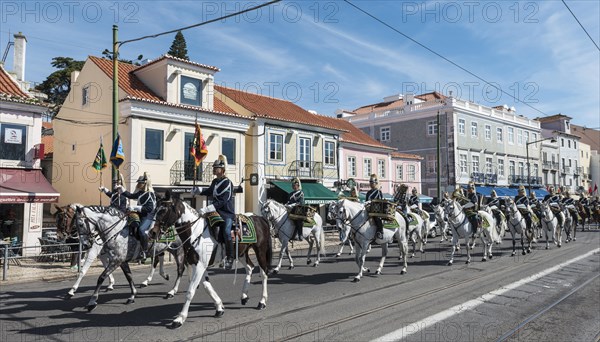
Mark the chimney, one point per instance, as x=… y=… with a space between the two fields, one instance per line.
x=19 y=56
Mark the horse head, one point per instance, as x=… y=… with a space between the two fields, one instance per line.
x=273 y=210
x=331 y=210
x=64 y=221
x=452 y=208
x=169 y=211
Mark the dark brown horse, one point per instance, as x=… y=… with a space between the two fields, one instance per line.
x=201 y=246
x=584 y=214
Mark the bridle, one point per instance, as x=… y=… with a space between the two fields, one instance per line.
x=180 y=228
x=95 y=234
x=274 y=221
x=451 y=218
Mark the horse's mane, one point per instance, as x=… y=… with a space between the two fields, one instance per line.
x=106 y=210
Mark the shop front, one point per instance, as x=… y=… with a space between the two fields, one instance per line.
x=23 y=192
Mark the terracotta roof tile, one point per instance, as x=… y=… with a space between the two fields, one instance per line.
x=48 y=141
x=354 y=134
x=167 y=56
x=397 y=104
x=588 y=136
x=218 y=106
x=273 y=108
x=9 y=86
x=127 y=80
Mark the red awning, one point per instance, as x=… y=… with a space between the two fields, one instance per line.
x=25 y=186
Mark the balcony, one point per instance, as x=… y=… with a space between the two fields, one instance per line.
x=306 y=169
x=535 y=181
x=478 y=177
x=491 y=178
x=565 y=170
x=550 y=166
x=182 y=172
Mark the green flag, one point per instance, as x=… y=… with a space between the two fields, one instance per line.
x=100 y=161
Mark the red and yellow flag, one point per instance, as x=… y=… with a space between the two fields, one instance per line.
x=198 y=149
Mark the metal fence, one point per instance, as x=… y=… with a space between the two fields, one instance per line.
x=48 y=251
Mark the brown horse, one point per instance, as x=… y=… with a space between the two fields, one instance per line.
x=200 y=248
x=583 y=213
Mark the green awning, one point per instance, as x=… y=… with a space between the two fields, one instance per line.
x=314 y=193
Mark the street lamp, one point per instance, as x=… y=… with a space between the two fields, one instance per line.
x=552 y=140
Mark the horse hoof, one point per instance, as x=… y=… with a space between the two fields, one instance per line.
x=91 y=308
x=378 y=272
x=275 y=271
x=337 y=255
x=130 y=301
x=356 y=280
x=261 y=306
x=402 y=272
x=308 y=262
x=68 y=296
x=244 y=301
x=368 y=270
x=316 y=265
x=574 y=239
x=144 y=284
x=169 y=296
x=524 y=253
x=110 y=288
x=219 y=314
x=468 y=262
x=176 y=325
x=547 y=247
x=484 y=259
x=291 y=267
x=449 y=263
x=528 y=251
x=559 y=246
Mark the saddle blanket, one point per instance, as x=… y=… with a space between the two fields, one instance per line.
x=167 y=237
x=247 y=231
x=414 y=220
x=390 y=224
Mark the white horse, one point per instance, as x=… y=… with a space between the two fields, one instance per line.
x=417 y=230
x=518 y=225
x=200 y=247
x=569 y=225
x=550 y=224
x=501 y=226
x=284 y=228
x=344 y=232
x=353 y=214
x=440 y=219
x=461 y=228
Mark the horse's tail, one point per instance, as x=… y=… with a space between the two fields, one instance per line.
x=322 y=241
x=270 y=247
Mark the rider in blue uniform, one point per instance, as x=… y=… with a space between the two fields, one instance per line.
x=494 y=205
x=220 y=192
x=296 y=198
x=146 y=205
x=554 y=201
x=117 y=199
x=372 y=194
x=470 y=205
x=522 y=203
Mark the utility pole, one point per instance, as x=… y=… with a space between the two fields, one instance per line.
x=438 y=164
x=115 y=95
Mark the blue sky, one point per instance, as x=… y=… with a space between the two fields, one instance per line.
x=325 y=55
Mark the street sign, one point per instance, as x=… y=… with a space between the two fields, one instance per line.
x=254 y=179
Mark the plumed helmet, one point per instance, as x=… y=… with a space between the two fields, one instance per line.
x=221 y=162
x=493 y=194
x=521 y=189
x=119 y=181
x=567 y=194
x=402 y=188
x=551 y=190
x=145 y=181
x=296 y=180
x=414 y=191
x=143 y=178
x=471 y=186
x=457 y=194
x=373 y=179
x=532 y=194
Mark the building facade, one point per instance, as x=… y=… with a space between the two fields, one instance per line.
x=559 y=127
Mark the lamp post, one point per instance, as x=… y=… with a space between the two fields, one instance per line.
x=552 y=140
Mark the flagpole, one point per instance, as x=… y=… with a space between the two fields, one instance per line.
x=195 y=167
x=100 y=193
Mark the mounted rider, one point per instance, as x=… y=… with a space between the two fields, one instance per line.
x=470 y=204
x=585 y=203
x=296 y=198
x=415 y=203
x=569 y=204
x=534 y=205
x=522 y=203
x=146 y=205
x=554 y=201
x=494 y=205
x=117 y=199
x=375 y=194
x=220 y=194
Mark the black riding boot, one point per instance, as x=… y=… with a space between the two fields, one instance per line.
x=299 y=227
x=144 y=245
x=475 y=225
x=229 y=254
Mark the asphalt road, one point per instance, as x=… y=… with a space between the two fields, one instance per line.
x=323 y=304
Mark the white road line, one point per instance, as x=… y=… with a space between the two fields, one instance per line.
x=423 y=324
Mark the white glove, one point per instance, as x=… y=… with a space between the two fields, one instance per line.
x=120 y=188
x=137 y=208
x=196 y=191
x=103 y=189
x=367 y=203
x=206 y=210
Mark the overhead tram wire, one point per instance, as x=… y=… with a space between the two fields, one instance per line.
x=444 y=58
x=201 y=23
x=580 y=24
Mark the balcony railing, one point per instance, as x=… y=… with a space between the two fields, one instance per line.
x=566 y=170
x=534 y=181
x=550 y=165
x=182 y=172
x=491 y=178
x=478 y=177
x=306 y=169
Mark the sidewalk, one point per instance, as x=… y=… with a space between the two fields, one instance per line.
x=31 y=270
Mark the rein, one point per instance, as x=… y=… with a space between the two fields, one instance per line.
x=275 y=220
x=88 y=220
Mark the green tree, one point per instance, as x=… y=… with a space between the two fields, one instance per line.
x=58 y=84
x=107 y=54
x=179 y=47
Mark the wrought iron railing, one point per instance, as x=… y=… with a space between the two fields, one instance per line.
x=306 y=169
x=182 y=172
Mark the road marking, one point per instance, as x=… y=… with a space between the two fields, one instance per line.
x=423 y=324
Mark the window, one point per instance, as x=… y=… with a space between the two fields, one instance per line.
x=499 y=134
x=351 y=167
x=474 y=129
x=562 y=142
x=431 y=163
x=488 y=132
x=461 y=126
x=85 y=95
x=521 y=169
x=399 y=173
x=154 y=144
x=411 y=172
x=535 y=170
x=563 y=163
x=526 y=137
x=329 y=153
x=384 y=134
x=545 y=156
x=520 y=136
x=575 y=144
x=501 y=167
x=488 y=165
x=432 y=128
x=569 y=143
x=475 y=163
x=511 y=168
x=381 y=168
x=13 y=142
x=191 y=91
x=463 y=163
x=570 y=162
x=534 y=138
x=367 y=167
x=304 y=152
x=228 y=150
x=511 y=135
x=275 y=147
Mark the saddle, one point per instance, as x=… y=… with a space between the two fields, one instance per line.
x=382 y=209
x=243 y=230
x=305 y=213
